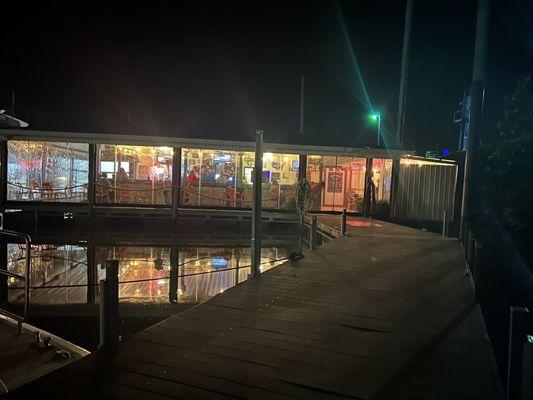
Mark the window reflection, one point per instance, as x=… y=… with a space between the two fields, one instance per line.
x=51 y=265
x=134 y=175
x=47 y=171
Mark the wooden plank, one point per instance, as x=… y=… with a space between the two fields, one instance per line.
x=382 y=313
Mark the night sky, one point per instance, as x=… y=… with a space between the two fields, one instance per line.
x=223 y=71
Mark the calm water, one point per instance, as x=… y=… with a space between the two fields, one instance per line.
x=158 y=278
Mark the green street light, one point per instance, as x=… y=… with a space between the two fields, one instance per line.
x=376 y=117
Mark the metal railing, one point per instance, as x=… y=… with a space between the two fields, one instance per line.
x=25 y=278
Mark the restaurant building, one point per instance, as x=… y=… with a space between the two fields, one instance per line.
x=95 y=174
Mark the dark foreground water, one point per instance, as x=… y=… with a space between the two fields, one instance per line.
x=159 y=276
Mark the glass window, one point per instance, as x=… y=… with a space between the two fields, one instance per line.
x=381 y=178
x=47 y=171
x=215 y=178
x=134 y=175
x=336 y=183
x=51 y=265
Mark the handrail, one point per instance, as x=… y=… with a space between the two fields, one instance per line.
x=27 y=239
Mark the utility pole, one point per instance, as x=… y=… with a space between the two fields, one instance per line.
x=257 y=205
x=13 y=103
x=477 y=92
x=302 y=106
x=403 y=72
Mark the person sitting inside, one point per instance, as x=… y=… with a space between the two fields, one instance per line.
x=103 y=189
x=122 y=176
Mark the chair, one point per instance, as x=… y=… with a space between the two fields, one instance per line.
x=49 y=191
x=125 y=195
x=33 y=187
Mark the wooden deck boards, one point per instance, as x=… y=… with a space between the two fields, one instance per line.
x=386 y=313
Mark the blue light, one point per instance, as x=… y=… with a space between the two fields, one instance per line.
x=445 y=152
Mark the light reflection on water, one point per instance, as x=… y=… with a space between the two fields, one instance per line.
x=60 y=273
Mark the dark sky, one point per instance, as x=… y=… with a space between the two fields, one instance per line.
x=222 y=71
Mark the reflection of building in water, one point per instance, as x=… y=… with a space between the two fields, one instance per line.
x=51 y=265
x=147 y=274
x=198 y=260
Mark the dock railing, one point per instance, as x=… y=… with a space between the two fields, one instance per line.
x=24 y=278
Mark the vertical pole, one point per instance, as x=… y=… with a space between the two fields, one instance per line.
x=92 y=179
x=257 y=204
x=394 y=190
x=343 y=222
x=200 y=177
x=367 y=194
x=379 y=129
x=477 y=92
x=470 y=245
x=302 y=106
x=173 y=280
x=312 y=233
x=444 y=223
x=477 y=268
x=302 y=167
x=13 y=102
x=27 y=278
x=519 y=321
x=527 y=369
x=403 y=72
x=109 y=322
x=3 y=265
x=176 y=172
x=3 y=174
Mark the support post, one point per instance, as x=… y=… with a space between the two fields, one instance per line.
x=476 y=268
x=367 y=194
x=519 y=323
x=176 y=191
x=3 y=174
x=109 y=320
x=477 y=93
x=257 y=205
x=394 y=191
x=173 y=280
x=302 y=167
x=92 y=179
x=3 y=265
x=445 y=223
x=343 y=222
x=312 y=233
x=470 y=246
x=403 y=72
x=91 y=272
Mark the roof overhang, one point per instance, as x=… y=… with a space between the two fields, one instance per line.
x=147 y=140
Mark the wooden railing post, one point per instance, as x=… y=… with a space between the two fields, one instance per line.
x=109 y=319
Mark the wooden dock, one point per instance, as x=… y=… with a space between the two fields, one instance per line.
x=384 y=313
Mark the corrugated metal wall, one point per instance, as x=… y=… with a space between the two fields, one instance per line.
x=424 y=190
